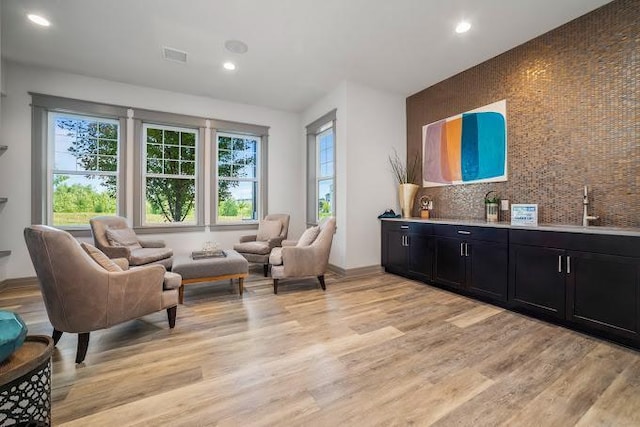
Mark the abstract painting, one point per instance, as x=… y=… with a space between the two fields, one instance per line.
x=467 y=148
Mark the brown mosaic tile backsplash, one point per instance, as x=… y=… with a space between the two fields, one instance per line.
x=573 y=118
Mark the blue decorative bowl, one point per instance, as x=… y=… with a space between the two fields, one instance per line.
x=13 y=331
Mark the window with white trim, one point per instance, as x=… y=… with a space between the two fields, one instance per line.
x=238 y=178
x=170 y=169
x=321 y=168
x=83 y=173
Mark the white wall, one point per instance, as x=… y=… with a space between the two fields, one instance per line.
x=369 y=125
x=285 y=170
x=376 y=125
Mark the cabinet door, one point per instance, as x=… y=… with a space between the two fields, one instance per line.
x=396 y=259
x=449 y=262
x=603 y=292
x=488 y=269
x=537 y=279
x=420 y=262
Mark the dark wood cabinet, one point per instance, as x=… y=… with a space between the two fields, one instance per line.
x=450 y=262
x=420 y=255
x=487 y=267
x=588 y=281
x=477 y=266
x=537 y=279
x=407 y=249
x=603 y=292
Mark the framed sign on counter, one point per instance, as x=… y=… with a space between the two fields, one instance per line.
x=524 y=214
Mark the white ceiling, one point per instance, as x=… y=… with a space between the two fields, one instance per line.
x=298 y=49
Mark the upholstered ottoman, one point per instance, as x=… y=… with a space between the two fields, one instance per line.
x=232 y=266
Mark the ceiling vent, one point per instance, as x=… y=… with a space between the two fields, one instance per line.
x=171 y=54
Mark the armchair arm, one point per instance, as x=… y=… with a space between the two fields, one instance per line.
x=302 y=261
x=151 y=243
x=275 y=242
x=251 y=238
x=116 y=251
x=134 y=293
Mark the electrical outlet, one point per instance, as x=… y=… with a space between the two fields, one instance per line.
x=504 y=205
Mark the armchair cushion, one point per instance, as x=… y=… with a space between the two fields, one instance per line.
x=122 y=237
x=309 y=236
x=143 y=256
x=268 y=229
x=99 y=257
x=259 y=248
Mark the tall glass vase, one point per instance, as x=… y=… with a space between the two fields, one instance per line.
x=407 y=195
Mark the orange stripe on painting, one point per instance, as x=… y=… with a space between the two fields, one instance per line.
x=453 y=132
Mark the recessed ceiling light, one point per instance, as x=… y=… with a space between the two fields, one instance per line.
x=236 y=46
x=463 y=27
x=37 y=19
x=229 y=66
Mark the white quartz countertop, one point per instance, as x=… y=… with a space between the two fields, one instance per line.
x=593 y=229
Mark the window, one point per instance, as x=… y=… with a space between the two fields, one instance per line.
x=321 y=146
x=79 y=152
x=83 y=182
x=324 y=173
x=169 y=174
x=238 y=183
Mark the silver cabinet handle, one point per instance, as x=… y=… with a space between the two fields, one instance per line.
x=461 y=249
x=559 y=263
x=568 y=264
x=404 y=227
x=403 y=243
x=463 y=232
x=466 y=249
x=406 y=239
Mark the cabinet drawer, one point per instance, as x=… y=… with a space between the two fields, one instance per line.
x=489 y=234
x=408 y=227
x=585 y=242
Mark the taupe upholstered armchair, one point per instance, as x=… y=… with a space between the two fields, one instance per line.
x=257 y=247
x=309 y=257
x=113 y=236
x=82 y=296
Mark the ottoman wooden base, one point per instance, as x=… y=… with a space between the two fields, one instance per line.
x=232 y=266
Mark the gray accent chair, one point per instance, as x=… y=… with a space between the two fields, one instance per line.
x=81 y=296
x=258 y=251
x=304 y=261
x=145 y=253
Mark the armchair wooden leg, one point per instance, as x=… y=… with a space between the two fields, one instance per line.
x=275 y=286
x=266 y=270
x=171 y=315
x=321 y=279
x=83 y=345
x=56 y=336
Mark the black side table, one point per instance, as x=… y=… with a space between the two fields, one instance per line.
x=25 y=384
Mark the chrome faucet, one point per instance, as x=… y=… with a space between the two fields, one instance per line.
x=585 y=204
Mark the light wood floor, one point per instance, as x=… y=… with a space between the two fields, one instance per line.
x=374 y=350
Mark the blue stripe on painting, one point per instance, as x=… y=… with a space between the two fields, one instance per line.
x=469 y=153
x=491 y=145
